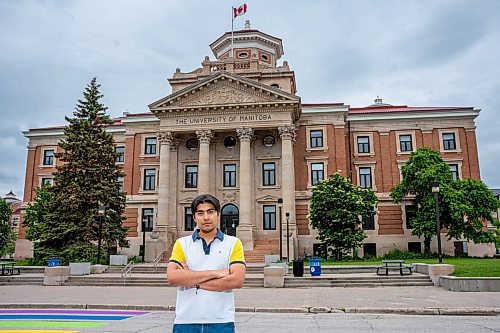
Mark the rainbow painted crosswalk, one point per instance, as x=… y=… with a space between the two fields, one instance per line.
x=59 y=320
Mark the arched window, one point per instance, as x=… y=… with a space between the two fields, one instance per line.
x=229 y=219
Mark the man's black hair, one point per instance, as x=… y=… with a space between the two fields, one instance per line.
x=205 y=198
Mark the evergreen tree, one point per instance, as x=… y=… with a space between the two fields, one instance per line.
x=464 y=204
x=87 y=176
x=7 y=235
x=335 y=209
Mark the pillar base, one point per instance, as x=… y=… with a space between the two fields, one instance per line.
x=246 y=234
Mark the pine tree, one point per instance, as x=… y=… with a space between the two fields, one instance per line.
x=7 y=235
x=87 y=177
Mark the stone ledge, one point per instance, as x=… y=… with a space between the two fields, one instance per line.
x=477 y=284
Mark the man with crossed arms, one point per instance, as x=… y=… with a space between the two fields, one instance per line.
x=206 y=266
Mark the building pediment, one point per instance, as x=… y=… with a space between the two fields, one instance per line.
x=267 y=198
x=223 y=90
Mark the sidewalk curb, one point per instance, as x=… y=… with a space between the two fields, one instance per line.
x=305 y=309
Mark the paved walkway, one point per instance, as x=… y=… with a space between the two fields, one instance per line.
x=409 y=300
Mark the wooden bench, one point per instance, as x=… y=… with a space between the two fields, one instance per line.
x=394 y=265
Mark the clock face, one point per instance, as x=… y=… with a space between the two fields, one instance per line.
x=268 y=141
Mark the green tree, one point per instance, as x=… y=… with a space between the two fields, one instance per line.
x=87 y=176
x=464 y=204
x=7 y=235
x=335 y=207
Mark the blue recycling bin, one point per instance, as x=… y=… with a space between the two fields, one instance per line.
x=315 y=266
x=54 y=262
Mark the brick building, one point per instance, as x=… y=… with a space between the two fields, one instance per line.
x=236 y=128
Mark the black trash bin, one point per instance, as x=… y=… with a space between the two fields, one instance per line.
x=298 y=267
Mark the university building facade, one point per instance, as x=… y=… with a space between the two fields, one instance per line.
x=235 y=128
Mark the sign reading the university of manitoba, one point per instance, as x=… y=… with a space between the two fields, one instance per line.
x=223 y=119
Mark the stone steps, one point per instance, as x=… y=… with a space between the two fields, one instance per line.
x=20 y=280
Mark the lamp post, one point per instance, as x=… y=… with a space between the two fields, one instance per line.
x=280 y=201
x=100 y=211
x=144 y=221
x=435 y=190
x=287 y=214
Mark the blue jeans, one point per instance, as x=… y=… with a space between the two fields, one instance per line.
x=204 y=328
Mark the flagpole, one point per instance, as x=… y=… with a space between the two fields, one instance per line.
x=232 y=32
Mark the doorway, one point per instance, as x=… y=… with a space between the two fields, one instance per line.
x=230 y=219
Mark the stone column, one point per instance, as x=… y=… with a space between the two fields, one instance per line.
x=204 y=136
x=246 y=228
x=164 y=243
x=287 y=134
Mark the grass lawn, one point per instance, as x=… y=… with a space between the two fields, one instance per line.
x=472 y=267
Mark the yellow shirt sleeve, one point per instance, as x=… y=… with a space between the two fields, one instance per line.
x=237 y=256
x=178 y=253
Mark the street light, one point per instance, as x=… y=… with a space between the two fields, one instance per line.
x=100 y=212
x=287 y=214
x=144 y=221
x=435 y=190
x=280 y=201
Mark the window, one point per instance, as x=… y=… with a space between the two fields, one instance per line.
x=48 y=157
x=147 y=219
x=363 y=144
x=229 y=175
x=189 y=223
x=454 y=171
x=368 y=222
x=47 y=181
x=365 y=177
x=317 y=173
x=192 y=144
x=150 y=146
x=269 y=217
x=316 y=138
x=191 y=179
x=149 y=179
x=410 y=212
x=268 y=174
x=405 y=143
x=121 y=157
x=415 y=247
x=449 y=142
x=370 y=250
x=230 y=142
x=120 y=184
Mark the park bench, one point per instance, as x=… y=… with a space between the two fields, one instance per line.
x=394 y=265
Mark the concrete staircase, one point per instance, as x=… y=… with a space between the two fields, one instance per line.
x=149 y=276
x=13 y=280
x=359 y=281
x=260 y=249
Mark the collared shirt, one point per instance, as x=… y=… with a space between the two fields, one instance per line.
x=205 y=306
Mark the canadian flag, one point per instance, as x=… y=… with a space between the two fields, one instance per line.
x=239 y=11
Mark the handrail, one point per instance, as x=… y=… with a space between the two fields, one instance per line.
x=157 y=260
x=127 y=270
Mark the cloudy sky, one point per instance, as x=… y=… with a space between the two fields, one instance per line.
x=412 y=52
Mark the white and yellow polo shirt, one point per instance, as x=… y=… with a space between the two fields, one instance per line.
x=202 y=306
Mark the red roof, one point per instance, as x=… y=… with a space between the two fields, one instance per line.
x=404 y=108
